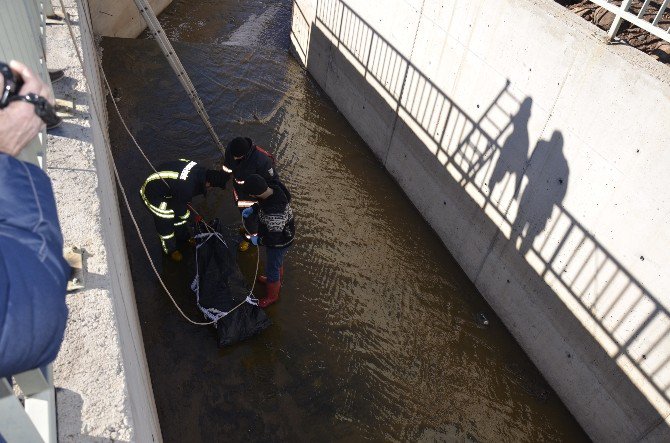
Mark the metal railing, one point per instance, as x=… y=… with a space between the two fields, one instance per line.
x=583 y=273
x=35 y=419
x=623 y=12
x=32 y=418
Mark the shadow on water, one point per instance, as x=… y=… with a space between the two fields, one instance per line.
x=520 y=191
x=376 y=335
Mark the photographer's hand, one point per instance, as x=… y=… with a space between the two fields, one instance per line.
x=18 y=122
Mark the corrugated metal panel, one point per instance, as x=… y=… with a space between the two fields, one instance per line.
x=22 y=38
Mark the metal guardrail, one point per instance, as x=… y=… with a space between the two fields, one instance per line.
x=623 y=12
x=35 y=419
x=32 y=419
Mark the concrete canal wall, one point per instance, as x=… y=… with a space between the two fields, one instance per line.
x=539 y=156
x=120 y=18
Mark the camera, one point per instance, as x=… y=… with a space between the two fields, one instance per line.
x=12 y=85
x=10 y=93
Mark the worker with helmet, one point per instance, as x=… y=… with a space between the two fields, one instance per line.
x=167 y=193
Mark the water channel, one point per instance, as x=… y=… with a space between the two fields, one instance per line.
x=378 y=334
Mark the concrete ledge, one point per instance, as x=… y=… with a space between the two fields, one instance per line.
x=120 y=18
x=103 y=385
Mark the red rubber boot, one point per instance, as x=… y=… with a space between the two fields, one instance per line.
x=263 y=279
x=272 y=291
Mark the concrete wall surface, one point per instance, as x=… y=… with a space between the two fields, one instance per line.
x=103 y=389
x=539 y=156
x=120 y=18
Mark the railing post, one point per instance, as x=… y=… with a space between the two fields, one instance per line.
x=661 y=10
x=616 y=24
x=48 y=8
x=40 y=402
x=15 y=425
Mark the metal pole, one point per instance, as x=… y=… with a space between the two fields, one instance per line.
x=614 y=29
x=172 y=58
x=40 y=401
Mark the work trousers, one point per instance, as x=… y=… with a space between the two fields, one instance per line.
x=274 y=261
x=170 y=232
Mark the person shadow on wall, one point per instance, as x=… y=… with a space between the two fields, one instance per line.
x=547 y=175
x=514 y=151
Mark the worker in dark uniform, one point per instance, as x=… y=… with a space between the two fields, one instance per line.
x=167 y=194
x=242 y=159
x=276 y=229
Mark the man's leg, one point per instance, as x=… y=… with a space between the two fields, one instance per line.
x=165 y=230
x=181 y=229
x=273 y=267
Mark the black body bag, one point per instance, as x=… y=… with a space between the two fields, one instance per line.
x=221 y=292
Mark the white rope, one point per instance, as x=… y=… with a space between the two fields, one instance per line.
x=212 y=313
x=137 y=228
x=123 y=191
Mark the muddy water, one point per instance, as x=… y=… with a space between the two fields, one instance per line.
x=376 y=336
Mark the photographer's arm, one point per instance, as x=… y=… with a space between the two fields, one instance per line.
x=33 y=273
x=18 y=122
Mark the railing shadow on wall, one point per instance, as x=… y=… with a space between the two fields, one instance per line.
x=489 y=157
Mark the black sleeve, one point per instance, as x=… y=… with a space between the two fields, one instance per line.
x=227 y=166
x=268 y=169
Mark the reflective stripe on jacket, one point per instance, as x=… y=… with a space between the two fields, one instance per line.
x=167 y=193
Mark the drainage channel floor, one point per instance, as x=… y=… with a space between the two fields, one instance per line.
x=378 y=334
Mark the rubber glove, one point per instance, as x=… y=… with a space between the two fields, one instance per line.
x=176 y=256
x=254 y=239
x=247 y=212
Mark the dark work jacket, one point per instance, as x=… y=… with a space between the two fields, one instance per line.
x=33 y=273
x=256 y=161
x=185 y=179
x=276 y=225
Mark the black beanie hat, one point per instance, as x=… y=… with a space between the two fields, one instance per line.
x=255 y=185
x=215 y=178
x=239 y=146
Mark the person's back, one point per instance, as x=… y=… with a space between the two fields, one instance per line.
x=178 y=179
x=167 y=194
x=276 y=225
x=33 y=273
